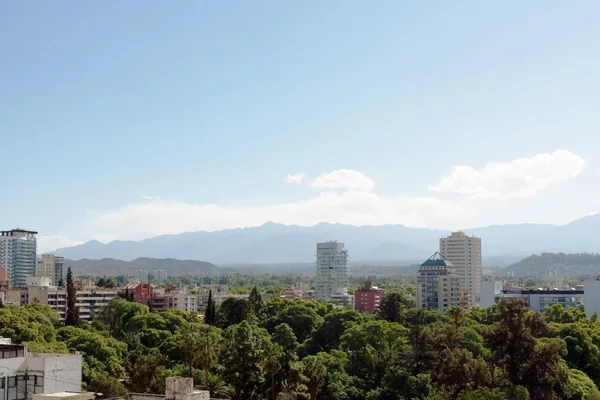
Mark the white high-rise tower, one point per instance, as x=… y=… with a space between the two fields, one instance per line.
x=332 y=272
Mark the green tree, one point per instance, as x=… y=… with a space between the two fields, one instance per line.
x=109 y=386
x=256 y=302
x=244 y=354
x=115 y=316
x=372 y=347
x=315 y=371
x=327 y=336
x=457 y=370
x=393 y=306
x=72 y=316
x=200 y=346
x=210 y=314
x=528 y=362
x=302 y=318
x=289 y=370
x=101 y=354
x=233 y=311
x=142 y=369
x=217 y=386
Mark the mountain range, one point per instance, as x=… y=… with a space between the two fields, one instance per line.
x=278 y=243
x=112 y=267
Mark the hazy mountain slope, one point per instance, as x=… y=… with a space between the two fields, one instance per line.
x=277 y=243
x=110 y=266
x=561 y=264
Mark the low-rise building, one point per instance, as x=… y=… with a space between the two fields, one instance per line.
x=493 y=291
x=24 y=374
x=89 y=300
x=141 y=291
x=368 y=298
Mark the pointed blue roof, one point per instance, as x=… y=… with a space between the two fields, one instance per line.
x=437 y=260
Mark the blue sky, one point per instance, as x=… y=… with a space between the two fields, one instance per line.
x=124 y=120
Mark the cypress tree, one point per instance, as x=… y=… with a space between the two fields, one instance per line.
x=72 y=317
x=256 y=302
x=210 y=314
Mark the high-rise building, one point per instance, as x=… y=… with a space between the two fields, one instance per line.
x=332 y=272
x=160 y=275
x=51 y=266
x=142 y=275
x=464 y=252
x=18 y=249
x=438 y=286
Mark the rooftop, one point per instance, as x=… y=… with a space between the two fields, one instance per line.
x=437 y=260
x=65 y=394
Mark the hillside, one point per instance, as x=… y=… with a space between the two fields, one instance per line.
x=277 y=243
x=110 y=266
x=568 y=265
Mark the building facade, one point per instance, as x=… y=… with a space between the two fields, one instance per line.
x=142 y=275
x=90 y=301
x=438 y=285
x=161 y=275
x=368 y=298
x=332 y=272
x=18 y=254
x=464 y=252
x=493 y=291
x=142 y=291
x=24 y=374
x=52 y=267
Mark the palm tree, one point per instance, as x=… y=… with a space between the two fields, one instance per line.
x=217 y=386
x=200 y=345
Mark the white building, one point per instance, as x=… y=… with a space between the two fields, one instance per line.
x=89 y=300
x=23 y=374
x=464 y=252
x=493 y=291
x=18 y=255
x=332 y=272
x=160 y=275
x=142 y=275
x=592 y=296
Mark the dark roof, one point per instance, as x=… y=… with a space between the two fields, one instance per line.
x=437 y=260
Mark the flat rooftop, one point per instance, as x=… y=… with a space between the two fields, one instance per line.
x=65 y=394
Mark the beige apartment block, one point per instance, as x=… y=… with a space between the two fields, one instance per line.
x=464 y=252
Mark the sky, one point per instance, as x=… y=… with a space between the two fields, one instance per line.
x=127 y=120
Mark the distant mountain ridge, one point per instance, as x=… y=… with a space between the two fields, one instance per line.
x=278 y=243
x=558 y=264
x=112 y=267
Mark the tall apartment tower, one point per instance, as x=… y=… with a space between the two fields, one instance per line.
x=52 y=267
x=160 y=275
x=332 y=272
x=18 y=249
x=464 y=252
x=438 y=286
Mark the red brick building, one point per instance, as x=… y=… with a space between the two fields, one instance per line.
x=141 y=291
x=367 y=298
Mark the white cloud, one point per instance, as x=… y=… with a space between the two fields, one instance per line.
x=151 y=218
x=50 y=243
x=509 y=180
x=346 y=179
x=294 y=178
x=151 y=197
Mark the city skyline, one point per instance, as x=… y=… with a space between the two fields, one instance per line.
x=127 y=125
